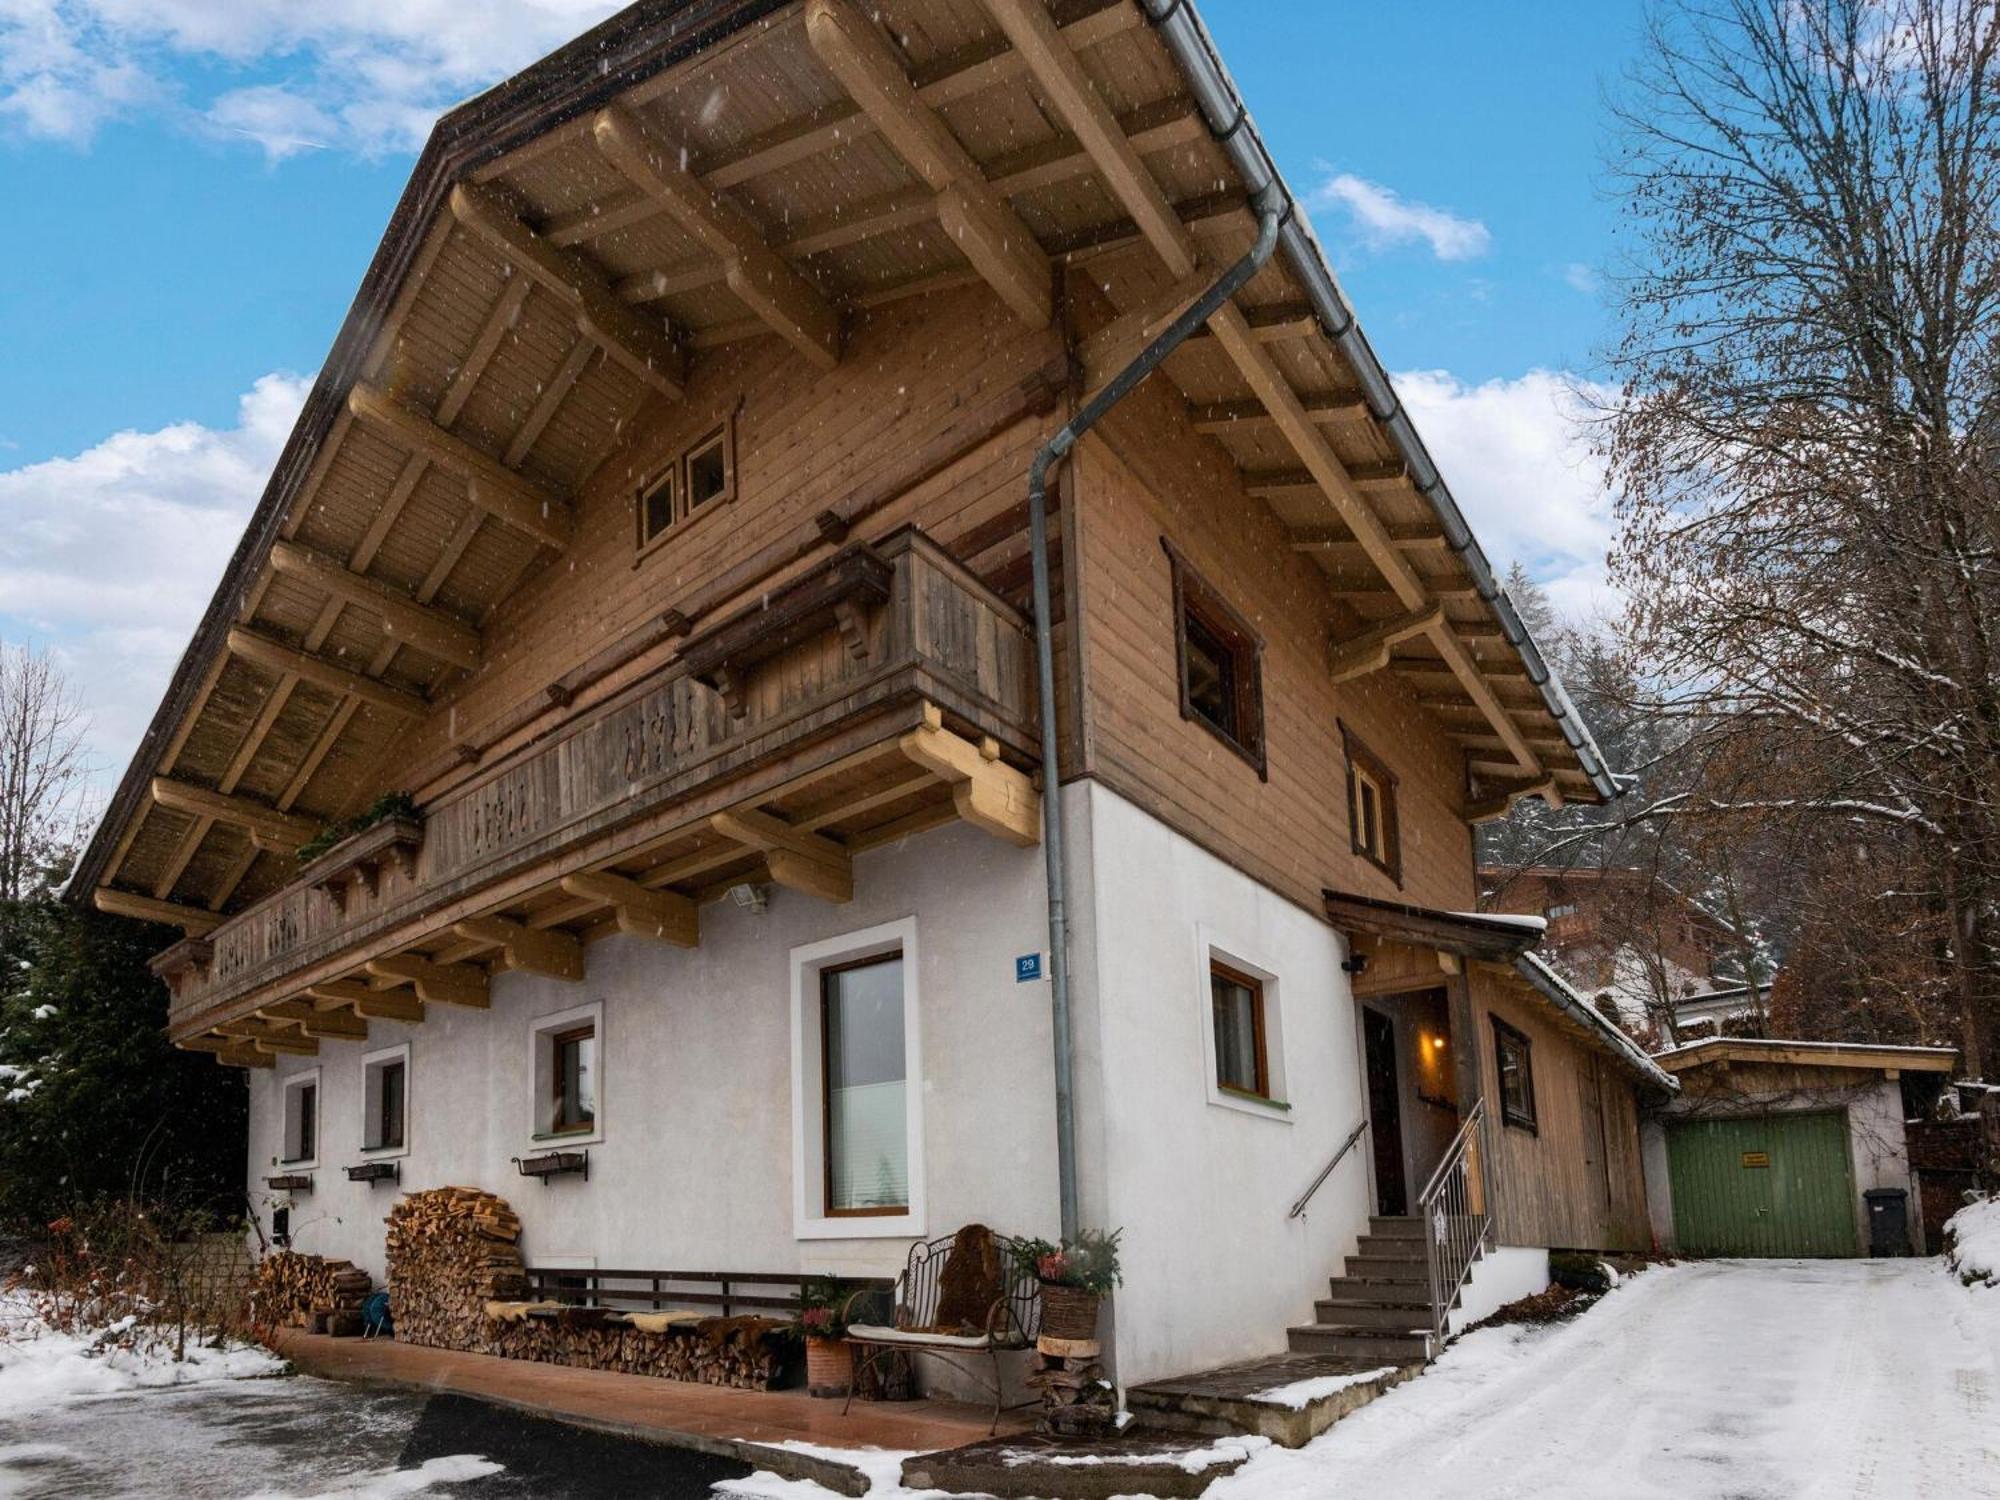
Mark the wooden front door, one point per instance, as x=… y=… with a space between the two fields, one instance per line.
x=1385 y=1113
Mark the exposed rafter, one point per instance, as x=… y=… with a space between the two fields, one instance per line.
x=418 y=626
x=369 y=1004
x=274 y=832
x=1217 y=418
x=1502 y=802
x=190 y=919
x=761 y=279
x=435 y=984
x=984 y=226
x=1370 y=651
x=800 y=861
x=638 y=342
x=532 y=949
x=638 y=910
x=987 y=792
x=276 y=656
x=489 y=485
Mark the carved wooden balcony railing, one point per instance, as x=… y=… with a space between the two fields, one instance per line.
x=888 y=689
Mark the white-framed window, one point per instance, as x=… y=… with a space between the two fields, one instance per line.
x=385 y=1102
x=857 y=1086
x=300 y=1145
x=1242 y=1027
x=567 y=1076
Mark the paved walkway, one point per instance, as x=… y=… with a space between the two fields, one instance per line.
x=706 y=1417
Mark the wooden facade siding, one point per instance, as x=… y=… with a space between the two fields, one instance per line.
x=662 y=756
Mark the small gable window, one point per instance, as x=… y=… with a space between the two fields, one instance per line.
x=1221 y=664
x=711 y=470
x=1371 y=808
x=1513 y=1058
x=698 y=478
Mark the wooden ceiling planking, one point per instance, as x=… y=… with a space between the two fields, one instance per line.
x=287 y=741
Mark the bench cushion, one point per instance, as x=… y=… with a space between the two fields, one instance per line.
x=514 y=1312
x=661 y=1322
x=875 y=1333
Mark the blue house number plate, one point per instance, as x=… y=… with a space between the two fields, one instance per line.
x=1027 y=968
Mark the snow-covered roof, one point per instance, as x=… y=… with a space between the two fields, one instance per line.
x=1535 y=969
x=1808 y=1053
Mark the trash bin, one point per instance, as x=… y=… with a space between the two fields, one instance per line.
x=1888 y=1221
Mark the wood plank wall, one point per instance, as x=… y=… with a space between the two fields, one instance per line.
x=1149 y=477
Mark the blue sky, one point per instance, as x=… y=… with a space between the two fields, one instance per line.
x=202 y=182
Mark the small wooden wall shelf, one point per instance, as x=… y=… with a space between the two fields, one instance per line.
x=359 y=860
x=290 y=1182
x=554 y=1164
x=376 y=1171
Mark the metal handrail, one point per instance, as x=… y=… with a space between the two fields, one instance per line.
x=1456 y=1216
x=1327 y=1170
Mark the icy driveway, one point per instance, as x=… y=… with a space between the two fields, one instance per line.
x=1724 y=1380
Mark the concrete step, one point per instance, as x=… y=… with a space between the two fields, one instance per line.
x=1401 y=1226
x=1391 y=1247
x=1373 y=1346
x=1388 y=1268
x=1349 y=1313
x=1291 y=1399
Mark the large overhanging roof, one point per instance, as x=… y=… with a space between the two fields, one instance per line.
x=697 y=173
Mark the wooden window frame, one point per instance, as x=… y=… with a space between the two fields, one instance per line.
x=1194 y=594
x=373 y=1067
x=1504 y=1037
x=1389 y=860
x=682 y=512
x=299 y=1083
x=557 y=1040
x=826 y=1208
x=1259 y=1029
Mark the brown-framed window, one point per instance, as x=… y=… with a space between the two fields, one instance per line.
x=1374 y=828
x=1513 y=1058
x=1220 y=660
x=302 y=1121
x=659 y=505
x=864 y=1087
x=390 y=1088
x=1242 y=1055
x=573 y=1080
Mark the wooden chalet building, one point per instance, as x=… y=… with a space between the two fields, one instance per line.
x=657 y=541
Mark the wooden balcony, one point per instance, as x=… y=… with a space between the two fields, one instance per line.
x=885 y=692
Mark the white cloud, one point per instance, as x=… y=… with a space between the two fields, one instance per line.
x=110 y=556
x=364 y=75
x=1582 y=278
x=1518 y=459
x=1385 y=217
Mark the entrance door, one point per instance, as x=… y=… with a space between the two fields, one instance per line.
x=1385 y=1113
x=1773 y=1185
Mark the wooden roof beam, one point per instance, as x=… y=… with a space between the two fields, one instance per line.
x=275 y=656
x=1369 y=652
x=639 y=911
x=798 y=860
x=760 y=278
x=987 y=230
x=435 y=984
x=639 y=344
x=987 y=792
x=369 y=1004
x=1220 y=418
x=1062 y=78
x=489 y=484
x=418 y=626
x=322 y=1025
x=273 y=831
x=1280 y=484
x=1335 y=538
x=1502 y=803
x=190 y=919
x=535 y=950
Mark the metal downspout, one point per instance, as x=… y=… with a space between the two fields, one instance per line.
x=1273 y=209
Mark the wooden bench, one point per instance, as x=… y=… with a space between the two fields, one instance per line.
x=730 y=1293
x=1007 y=1316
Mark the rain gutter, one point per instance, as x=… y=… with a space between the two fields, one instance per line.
x=1215 y=93
x=1273 y=210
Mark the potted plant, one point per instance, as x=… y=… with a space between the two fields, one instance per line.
x=822 y=1322
x=1074 y=1276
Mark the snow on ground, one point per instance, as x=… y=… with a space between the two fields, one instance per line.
x=40 y=1364
x=1973 y=1239
x=391 y=1484
x=1718 y=1380
x=1302 y=1393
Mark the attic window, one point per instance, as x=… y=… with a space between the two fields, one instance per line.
x=1376 y=832
x=658 y=505
x=711 y=469
x=693 y=482
x=1221 y=664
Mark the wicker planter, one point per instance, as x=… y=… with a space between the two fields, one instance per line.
x=829 y=1367
x=1068 y=1313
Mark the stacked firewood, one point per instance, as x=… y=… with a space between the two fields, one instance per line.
x=312 y=1292
x=451 y=1250
x=756 y=1354
x=1077 y=1399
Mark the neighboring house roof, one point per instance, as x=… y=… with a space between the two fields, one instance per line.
x=1467 y=934
x=549 y=106
x=1535 y=969
x=1806 y=1054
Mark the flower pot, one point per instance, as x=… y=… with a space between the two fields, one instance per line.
x=1068 y=1312
x=829 y=1367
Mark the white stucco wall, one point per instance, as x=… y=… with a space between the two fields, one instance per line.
x=695 y=1165
x=1214 y=1269
x=1504 y=1274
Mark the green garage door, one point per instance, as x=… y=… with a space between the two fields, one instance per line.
x=1775 y=1185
